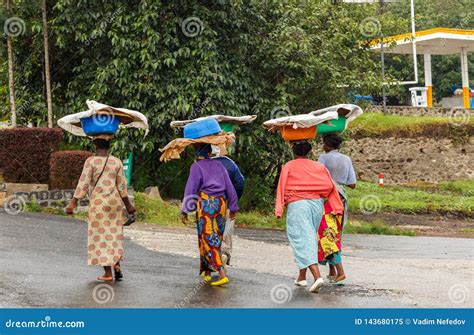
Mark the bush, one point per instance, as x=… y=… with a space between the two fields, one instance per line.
x=25 y=153
x=66 y=168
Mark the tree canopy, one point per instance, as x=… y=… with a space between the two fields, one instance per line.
x=183 y=59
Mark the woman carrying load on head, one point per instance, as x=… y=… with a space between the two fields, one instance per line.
x=330 y=231
x=104 y=181
x=302 y=187
x=209 y=192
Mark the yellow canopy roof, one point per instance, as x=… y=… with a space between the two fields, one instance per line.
x=439 y=41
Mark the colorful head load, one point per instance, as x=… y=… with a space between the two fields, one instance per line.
x=101 y=119
x=329 y=120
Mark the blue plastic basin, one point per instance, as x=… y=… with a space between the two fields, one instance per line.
x=100 y=124
x=201 y=128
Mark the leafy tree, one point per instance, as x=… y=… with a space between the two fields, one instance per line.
x=183 y=59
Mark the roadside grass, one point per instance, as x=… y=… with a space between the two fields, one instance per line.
x=378 y=123
x=157 y=211
x=467 y=230
x=460 y=187
x=33 y=207
x=454 y=198
x=377 y=227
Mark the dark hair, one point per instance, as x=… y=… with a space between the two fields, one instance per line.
x=301 y=148
x=203 y=150
x=333 y=141
x=100 y=143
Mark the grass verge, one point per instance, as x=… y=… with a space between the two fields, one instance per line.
x=448 y=198
x=376 y=228
x=379 y=125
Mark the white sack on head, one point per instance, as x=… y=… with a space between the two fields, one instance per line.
x=219 y=118
x=72 y=123
x=353 y=111
x=300 y=121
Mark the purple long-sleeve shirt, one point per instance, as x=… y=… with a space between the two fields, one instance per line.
x=211 y=177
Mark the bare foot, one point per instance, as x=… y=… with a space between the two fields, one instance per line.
x=340 y=278
x=105 y=278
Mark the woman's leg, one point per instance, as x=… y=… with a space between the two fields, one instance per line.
x=302 y=274
x=222 y=273
x=340 y=272
x=332 y=270
x=107 y=274
x=118 y=271
x=315 y=271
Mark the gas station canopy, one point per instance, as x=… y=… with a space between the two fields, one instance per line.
x=437 y=41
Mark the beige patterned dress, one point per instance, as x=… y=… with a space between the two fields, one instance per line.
x=106 y=209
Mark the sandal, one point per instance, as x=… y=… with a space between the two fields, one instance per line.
x=220 y=282
x=205 y=277
x=118 y=272
x=102 y=278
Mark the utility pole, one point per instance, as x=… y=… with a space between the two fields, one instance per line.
x=11 y=82
x=46 y=66
x=382 y=58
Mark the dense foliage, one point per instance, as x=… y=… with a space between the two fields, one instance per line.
x=183 y=59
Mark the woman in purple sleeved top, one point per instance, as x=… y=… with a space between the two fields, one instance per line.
x=209 y=192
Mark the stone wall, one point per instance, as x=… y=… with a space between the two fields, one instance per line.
x=405 y=160
x=423 y=111
x=56 y=199
x=52 y=199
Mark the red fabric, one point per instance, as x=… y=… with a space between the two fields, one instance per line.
x=329 y=234
x=302 y=179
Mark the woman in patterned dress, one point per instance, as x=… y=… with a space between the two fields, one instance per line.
x=209 y=192
x=104 y=181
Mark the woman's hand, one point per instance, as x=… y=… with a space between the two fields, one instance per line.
x=184 y=218
x=128 y=205
x=131 y=209
x=71 y=207
x=232 y=215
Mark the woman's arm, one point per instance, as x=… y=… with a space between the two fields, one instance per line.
x=121 y=183
x=83 y=186
x=231 y=193
x=280 y=194
x=333 y=198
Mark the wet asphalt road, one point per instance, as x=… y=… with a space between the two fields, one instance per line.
x=43 y=264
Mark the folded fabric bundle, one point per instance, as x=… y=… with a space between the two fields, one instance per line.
x=300 y=121
x=349 y=111
x=128 y=118
x=219 y=118
x=174 y=149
